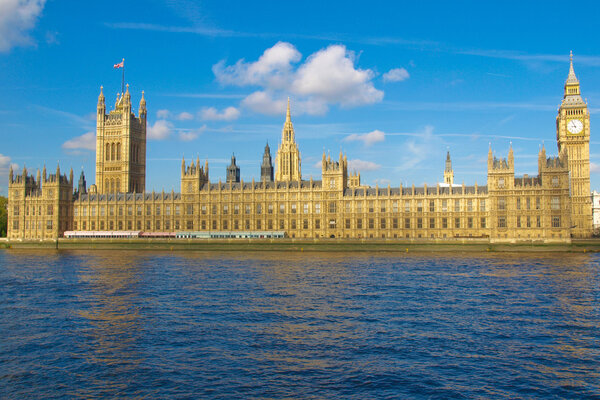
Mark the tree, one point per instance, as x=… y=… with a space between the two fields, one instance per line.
x=3 y=215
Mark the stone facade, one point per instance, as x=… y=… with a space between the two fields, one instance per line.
x=552 y=206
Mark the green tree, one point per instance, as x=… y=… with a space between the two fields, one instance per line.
x=3 y=215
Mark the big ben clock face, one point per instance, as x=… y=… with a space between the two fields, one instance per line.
x=575 y=126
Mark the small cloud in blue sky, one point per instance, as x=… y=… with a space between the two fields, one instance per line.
x=396 y=75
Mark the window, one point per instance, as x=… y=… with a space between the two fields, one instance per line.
x=270 y=208
x=16 y=211
x=359 y=223
x=469 y=205
x=556 y=221
x=202 y=209
x=332 y=224
x=420 y=206
x=168 y=210
x=293 y=224
x=483 y=222
x=382 y=223
x=444 y=223
x=431 y=223
x=371 y=223
x=407 y=206
x=305 y=224
x=189 y=224
x=248 y=209
x=482 y=205
x=502 y=203
x=190 y=209
x=501 y=182
x=177 y=211
x=518 y=221
x=457 y=223
x=444 y=205
x=236 y=209
x=281 y=208
x=281 y=224
x=225 y=209
x=305 y=208
x=347 y=223
x=395 y=223
x=406 y=223
x=538 y=221
x=226 y=225
x=293 y=208
x=431 y=206
x=371 y=207
x=555 y=181
x=528 y=221
x=457 y=205
x=332 y=206
x=382 y=206
x=318 y=208
x=156 y=225
x=50 y=210
x=236 y=224
x=555 y=203
x=317 y=224
x=537 y=203
x=518 y=203
x=395 y=207
x=501 y=222
x=49 y=225
x=528 y=203
x=419 y=223
x=214 y=225
x=470 y=222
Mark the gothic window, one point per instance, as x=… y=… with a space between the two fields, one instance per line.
x=112 y=152
x=107 y=155
x=483 y=222
x=555 y=203
x=501 y=222
x=118 y=151
x=118 y=185
x=556 y=221
x=555 y=181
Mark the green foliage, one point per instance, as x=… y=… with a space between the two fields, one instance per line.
x=3 y=215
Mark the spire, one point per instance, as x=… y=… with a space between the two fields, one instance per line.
x=142 y=104
x=10 y=174
x=182 y=165
x=511 y=157
x=571 y=78
x=101 y=96
x=288 y=116
x=287 y=135
x=448 y=162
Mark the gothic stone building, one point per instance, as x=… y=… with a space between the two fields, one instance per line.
x=552 y=206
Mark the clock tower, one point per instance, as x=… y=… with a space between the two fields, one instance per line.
x=573 y=137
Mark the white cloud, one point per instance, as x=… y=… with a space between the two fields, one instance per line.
x=212 y=114
x=327 y=77
x=329 y=74
x=163 y=114
x=594 y=168
x=87 y=141
x=185 y=116
x=418 y=148
x=367 y=138
x=187 y=136
x=160 y=130
x=396 y=75
x=272 y=68
x=361 y=165
x=17 y=17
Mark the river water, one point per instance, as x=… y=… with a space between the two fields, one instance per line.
x=298 y=325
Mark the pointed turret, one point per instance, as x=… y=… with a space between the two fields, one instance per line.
x=571 y=78
x=44 y=174
x=490 y=157
x=142 y=110
x=233 y=171
x=10 y=174
x=572 y=95
x=511 y=157
x=288 y=156
x=82 y=186
x=71 y=176
x=38 y=177
x=182 y=165
x=266 y=168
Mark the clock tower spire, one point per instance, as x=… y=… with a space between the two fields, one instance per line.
x=573 y=137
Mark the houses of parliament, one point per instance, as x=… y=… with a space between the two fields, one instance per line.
x=552 y=206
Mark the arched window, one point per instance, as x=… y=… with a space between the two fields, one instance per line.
x=118 y=151
x=107 y=185
x=118 y=186
x=107 y=155
x=112 y=152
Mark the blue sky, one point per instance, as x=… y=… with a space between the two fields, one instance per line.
x=392 y=84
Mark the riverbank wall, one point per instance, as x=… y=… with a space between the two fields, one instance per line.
x=299 y=245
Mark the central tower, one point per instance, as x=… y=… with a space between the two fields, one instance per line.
x=573 y=137
x=288 y=155
x=121 y=146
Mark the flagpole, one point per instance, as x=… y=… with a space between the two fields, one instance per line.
x=123 y=78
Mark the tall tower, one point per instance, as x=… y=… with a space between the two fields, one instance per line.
x=448 y=173
x=288 y=155
x=573 y=137
x=121 y=146
x=266 y=168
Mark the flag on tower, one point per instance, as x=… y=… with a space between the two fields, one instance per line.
x=119 y=65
